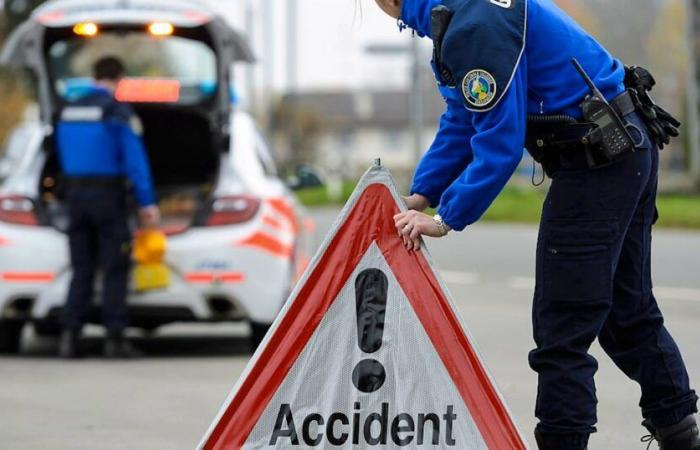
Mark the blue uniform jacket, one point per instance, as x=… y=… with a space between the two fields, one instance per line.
x=97 y=136
x=509 y=59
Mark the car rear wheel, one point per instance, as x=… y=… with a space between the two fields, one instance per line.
x=47 y=328
x=257 y=334
x=10 y=336
x=150 y=331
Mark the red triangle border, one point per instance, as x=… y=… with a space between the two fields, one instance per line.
x=370 y=220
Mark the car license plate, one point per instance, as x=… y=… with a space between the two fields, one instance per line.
x=148 y=277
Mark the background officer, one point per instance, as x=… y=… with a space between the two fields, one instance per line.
x=498 y=62
x=100 y=149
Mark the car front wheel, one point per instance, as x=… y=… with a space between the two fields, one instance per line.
x=10 y=336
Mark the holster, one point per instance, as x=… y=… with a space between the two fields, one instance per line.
x=549 y=136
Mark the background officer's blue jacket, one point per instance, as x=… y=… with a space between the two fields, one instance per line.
x=98 y=136
x=527 y=45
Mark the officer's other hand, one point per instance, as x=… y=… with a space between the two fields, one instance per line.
x=416 y=202
x=411 y=225
x=149 y=216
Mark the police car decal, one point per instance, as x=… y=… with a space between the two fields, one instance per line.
x=482 y=48
x=479 y=88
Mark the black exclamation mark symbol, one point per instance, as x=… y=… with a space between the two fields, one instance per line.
x=370 y=293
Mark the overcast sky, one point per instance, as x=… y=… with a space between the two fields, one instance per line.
x=333 y=36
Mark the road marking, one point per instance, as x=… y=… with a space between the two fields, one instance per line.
x=457 y=277
x=528 y=284
x=673 y=293
x=661 y=292
x=523 y=283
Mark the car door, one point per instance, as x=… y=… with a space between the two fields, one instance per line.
x=24 y=50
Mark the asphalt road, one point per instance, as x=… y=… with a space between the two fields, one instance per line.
x=167 y=399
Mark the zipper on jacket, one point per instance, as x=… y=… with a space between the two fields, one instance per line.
x=537 y=98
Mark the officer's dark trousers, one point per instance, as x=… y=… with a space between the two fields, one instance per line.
x=594 y=281
x=99 y=239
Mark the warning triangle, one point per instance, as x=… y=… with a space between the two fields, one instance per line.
x=368 y=352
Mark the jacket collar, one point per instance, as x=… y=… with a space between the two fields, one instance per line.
x=415 y=14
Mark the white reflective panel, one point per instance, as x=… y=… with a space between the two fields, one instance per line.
x=320 y=382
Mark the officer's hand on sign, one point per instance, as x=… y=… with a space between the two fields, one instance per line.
x=149 y=216
x=411 y=225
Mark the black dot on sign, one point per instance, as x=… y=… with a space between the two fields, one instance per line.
x=368 y=376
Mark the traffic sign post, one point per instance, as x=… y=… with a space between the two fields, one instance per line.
x=368 y=352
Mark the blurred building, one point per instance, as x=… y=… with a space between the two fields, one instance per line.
x=352 y=128
x=308 y=49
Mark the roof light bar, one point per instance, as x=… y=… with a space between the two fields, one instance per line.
x=87 y=29
x=161 y=29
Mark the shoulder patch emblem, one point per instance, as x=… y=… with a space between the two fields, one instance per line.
x=479 y=88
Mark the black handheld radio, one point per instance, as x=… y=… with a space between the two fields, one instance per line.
x=610 y=134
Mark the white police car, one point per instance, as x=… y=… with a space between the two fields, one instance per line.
x=237 y=237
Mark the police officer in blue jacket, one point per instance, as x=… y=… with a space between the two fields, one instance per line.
x=100 y=149
x=504 y=68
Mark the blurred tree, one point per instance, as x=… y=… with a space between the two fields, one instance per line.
x=16 y=12
x=14 y=103
x=585 y=16
x=666 y=46
x=623 y=27
x=668 y=61
x=301 y=126
x=13 y=94
x=693 y=146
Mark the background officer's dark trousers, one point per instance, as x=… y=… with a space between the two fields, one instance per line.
x=594 y=281
x=99 y=238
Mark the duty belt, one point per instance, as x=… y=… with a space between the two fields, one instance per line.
x=561 y=130
x=550 y=136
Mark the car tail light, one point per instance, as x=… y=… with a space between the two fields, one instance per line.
x=17 y=210
x=233 y=209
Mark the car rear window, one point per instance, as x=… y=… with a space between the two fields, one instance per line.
x=168 y=69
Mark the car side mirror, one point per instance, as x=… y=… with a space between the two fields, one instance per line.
x=305 y=177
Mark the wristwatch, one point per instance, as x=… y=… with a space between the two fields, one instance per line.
x=442 y=226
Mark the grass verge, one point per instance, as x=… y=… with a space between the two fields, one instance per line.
x=524 y=205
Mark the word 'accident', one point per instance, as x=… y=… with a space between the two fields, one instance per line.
x=373 y=430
